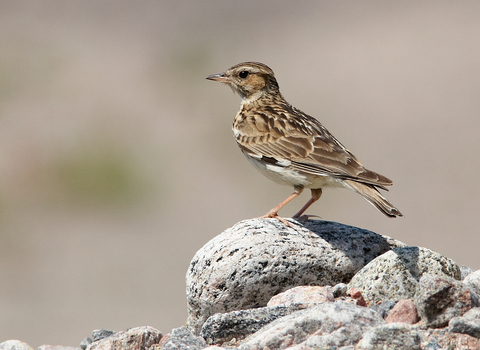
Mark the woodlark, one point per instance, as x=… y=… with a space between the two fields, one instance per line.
x=292 y=148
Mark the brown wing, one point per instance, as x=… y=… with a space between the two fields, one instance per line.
x=292 y=138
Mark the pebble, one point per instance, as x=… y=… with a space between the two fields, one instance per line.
x=303 y=296
x=395 y=274
x=404 y=311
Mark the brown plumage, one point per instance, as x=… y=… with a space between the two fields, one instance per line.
x=291 y=147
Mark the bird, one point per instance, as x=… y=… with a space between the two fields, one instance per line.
x=292 y=148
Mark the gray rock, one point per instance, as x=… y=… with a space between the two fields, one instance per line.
x=15 y=345
x=440 y=298
x=472 y=281
x=323 y=326
x=398 y=336
x=182 y=339
x=395 y=274
x=246 y=265
x=304 y=296
x=56 y=347
x=465 y=270
x=384 y=308
x=85 y=342
x=433 y=346
x=441 y=338
x=339 y=290
x=469 y=323
x=132 y=339
x=99 y=334
x=221 y=328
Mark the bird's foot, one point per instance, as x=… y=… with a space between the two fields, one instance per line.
x=275 y=216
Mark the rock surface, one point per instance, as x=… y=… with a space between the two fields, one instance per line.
x=132 y=339
x=384 y=307
x=472 y=281
x=398 y=336
x=440 y=298
x=469 y=323
x=221 y=328
x=443 y=339
x=246 y=265
x=181 y=339
x=303 y=296
x=395 y=274
x=404 y=311
x=326 y=325
x=15 y=345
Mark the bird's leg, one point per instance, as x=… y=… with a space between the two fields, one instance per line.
x=316 y=193
x=274 y=212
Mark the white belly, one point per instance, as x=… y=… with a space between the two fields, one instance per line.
x=291 y=177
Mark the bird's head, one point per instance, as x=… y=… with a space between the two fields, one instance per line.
x=251 y=80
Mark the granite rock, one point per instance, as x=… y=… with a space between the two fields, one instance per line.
x=222 y=328
x=132 y=339
x=384 y=307
x=469 y=323
x=404 y=311
x=181 y=339
x=303 y=296
x=15 y=345
x=398 y=336
x=326 y=325
x=440 y=298
x=339 y=290
x=472 y=281
x=356 y=295
x=395 y=274
x=99 y=334
x=246 y=265
x=442 y=339
x=465 y=271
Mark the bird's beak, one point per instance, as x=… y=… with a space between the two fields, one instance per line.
x=219 y=77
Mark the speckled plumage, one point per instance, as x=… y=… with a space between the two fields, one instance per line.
x=291 y=147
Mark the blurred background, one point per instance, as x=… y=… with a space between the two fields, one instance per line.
x=117 y=160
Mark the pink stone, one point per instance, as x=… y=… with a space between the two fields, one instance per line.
x=404 y=311
x=303 y=295
x=357 y=296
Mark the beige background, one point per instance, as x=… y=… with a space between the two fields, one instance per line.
x=117 y=160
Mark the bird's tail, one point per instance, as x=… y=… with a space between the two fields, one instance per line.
x=371 y=194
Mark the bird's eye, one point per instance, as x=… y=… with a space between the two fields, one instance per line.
x=243 y=74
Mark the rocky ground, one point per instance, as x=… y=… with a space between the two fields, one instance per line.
x=313 y=285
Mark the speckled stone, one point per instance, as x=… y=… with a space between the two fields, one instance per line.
x=469 y=323
x=440 y=298
x=246 y=265
x=15 y=345
x=465 y=270
x=132 y=339
x=395 y=274
x=329 y=325
x=442 y=339
x=404 y=311
x=398 y=336
x=303 y=296
x=472 y=281
x=222 y=328
x=181 y=339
